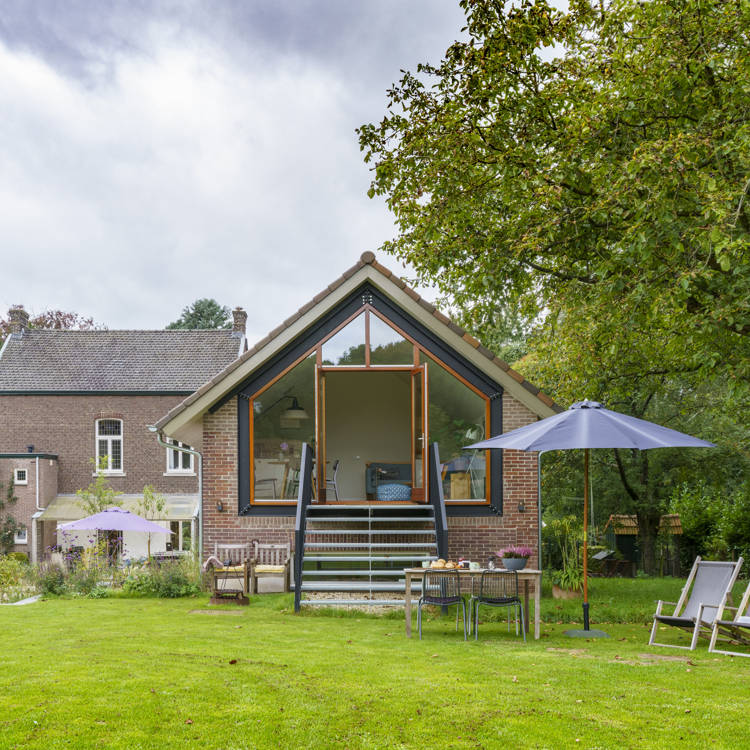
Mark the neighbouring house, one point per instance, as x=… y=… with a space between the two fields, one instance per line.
x=70 y=397
x=376 y=385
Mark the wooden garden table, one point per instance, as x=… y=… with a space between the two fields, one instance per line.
x=526 y=575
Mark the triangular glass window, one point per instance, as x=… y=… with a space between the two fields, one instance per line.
x=387 y=346
x=347 y=347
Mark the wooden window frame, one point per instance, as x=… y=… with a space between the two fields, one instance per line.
x=320 y=370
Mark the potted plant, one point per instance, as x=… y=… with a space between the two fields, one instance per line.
x=567 y=584
x=514 y=558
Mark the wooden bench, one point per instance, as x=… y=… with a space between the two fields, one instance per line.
x=270 y=560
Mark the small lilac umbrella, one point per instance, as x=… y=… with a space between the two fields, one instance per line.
x=587 y=424
x=114 y=519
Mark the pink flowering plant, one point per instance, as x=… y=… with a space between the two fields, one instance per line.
x=516 y=552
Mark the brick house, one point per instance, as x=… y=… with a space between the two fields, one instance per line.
x=67 y=397
x=383 y=390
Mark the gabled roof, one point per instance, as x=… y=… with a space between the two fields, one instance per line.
x=366 y=269
x=115 y=361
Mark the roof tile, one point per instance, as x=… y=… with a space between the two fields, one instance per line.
x=167 y=360
x=427 y=306
x=471 y=340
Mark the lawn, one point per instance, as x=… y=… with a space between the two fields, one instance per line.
x=144 y=673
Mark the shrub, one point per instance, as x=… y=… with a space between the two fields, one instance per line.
x=22 y=557
x=12 y=571
x=139 y=584
x=52 y=580
x=99 y=593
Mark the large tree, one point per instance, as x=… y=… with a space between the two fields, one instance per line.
x=592 y=166
x=203 y=313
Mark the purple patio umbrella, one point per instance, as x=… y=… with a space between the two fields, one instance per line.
x=587 y=424
x=114 y=519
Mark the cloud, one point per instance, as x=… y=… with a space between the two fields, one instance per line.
x=163 y=153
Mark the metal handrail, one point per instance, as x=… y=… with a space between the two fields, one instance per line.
x=437 y=500
x=304 y=498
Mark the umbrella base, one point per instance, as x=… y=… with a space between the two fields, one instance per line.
x=586 y=633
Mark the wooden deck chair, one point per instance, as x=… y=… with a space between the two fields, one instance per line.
x=269 y=560
x=231 y=581
x=734 y=630
x=712 y=585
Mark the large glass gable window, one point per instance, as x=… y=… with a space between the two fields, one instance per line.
x=458 y=417
x=283 y=418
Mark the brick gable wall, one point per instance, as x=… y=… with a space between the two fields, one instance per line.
x=475 y=537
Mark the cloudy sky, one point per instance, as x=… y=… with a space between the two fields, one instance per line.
x=155 y=152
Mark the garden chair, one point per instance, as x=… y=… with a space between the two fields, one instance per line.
x=229 y=578
x=269 y=560
x=442 y=588
x=734 y=630
x=497 y=588
x=712 y=587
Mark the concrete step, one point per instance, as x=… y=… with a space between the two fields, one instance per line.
x=372 y=519
x=373 y=532
x=368 y=558
x=350 y=602
x=368 y=545
x=356 y=586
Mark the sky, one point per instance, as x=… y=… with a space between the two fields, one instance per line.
x=154 y=152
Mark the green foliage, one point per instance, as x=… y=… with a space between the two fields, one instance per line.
x=21 y=557
x=168 y=580
x=604 y=190
x=151 y=507
x=715 y=524
x=51 y=580
x=9 y=524
x=100 y=593
x=99 y=496
x=12 y=571
x=202 y=314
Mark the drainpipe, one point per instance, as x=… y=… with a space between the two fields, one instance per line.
x=35 y=519
x=171 y=446
x=539 y=502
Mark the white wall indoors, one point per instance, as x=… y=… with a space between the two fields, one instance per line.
x=368 y=418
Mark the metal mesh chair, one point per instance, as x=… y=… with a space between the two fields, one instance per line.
x=497 y=588
x=442 y=588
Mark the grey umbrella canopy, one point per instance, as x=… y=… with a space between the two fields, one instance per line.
x=585 y=425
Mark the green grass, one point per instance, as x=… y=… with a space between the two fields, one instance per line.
x=144 y=673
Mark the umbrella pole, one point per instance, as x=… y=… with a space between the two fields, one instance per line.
x=585 y=541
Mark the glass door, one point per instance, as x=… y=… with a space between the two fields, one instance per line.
x=320 y=433
x=419 y=434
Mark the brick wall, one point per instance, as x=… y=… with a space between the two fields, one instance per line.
x=65 y=425
x=475 y=537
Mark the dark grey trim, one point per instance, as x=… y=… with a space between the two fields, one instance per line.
x=310 y=338
x=96 y=393
x=50 y=456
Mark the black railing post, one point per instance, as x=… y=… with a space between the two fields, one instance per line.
x=304 y=496
x=438 y=501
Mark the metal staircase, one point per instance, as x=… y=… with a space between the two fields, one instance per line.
x=364 y=549
x=361 y=548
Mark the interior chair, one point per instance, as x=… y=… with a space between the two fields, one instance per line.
x=696 y=610
x=736 y=630
x=333 y=481
x=291 y=478
x=497 y=588
x=261 y=482
x=270 y=560
x=441 y=588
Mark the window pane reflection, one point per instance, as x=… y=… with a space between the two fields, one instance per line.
x=347 y=347
x=457 y=418
x=387 y=346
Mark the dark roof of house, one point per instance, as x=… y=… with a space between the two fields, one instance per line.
x=115 y=361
